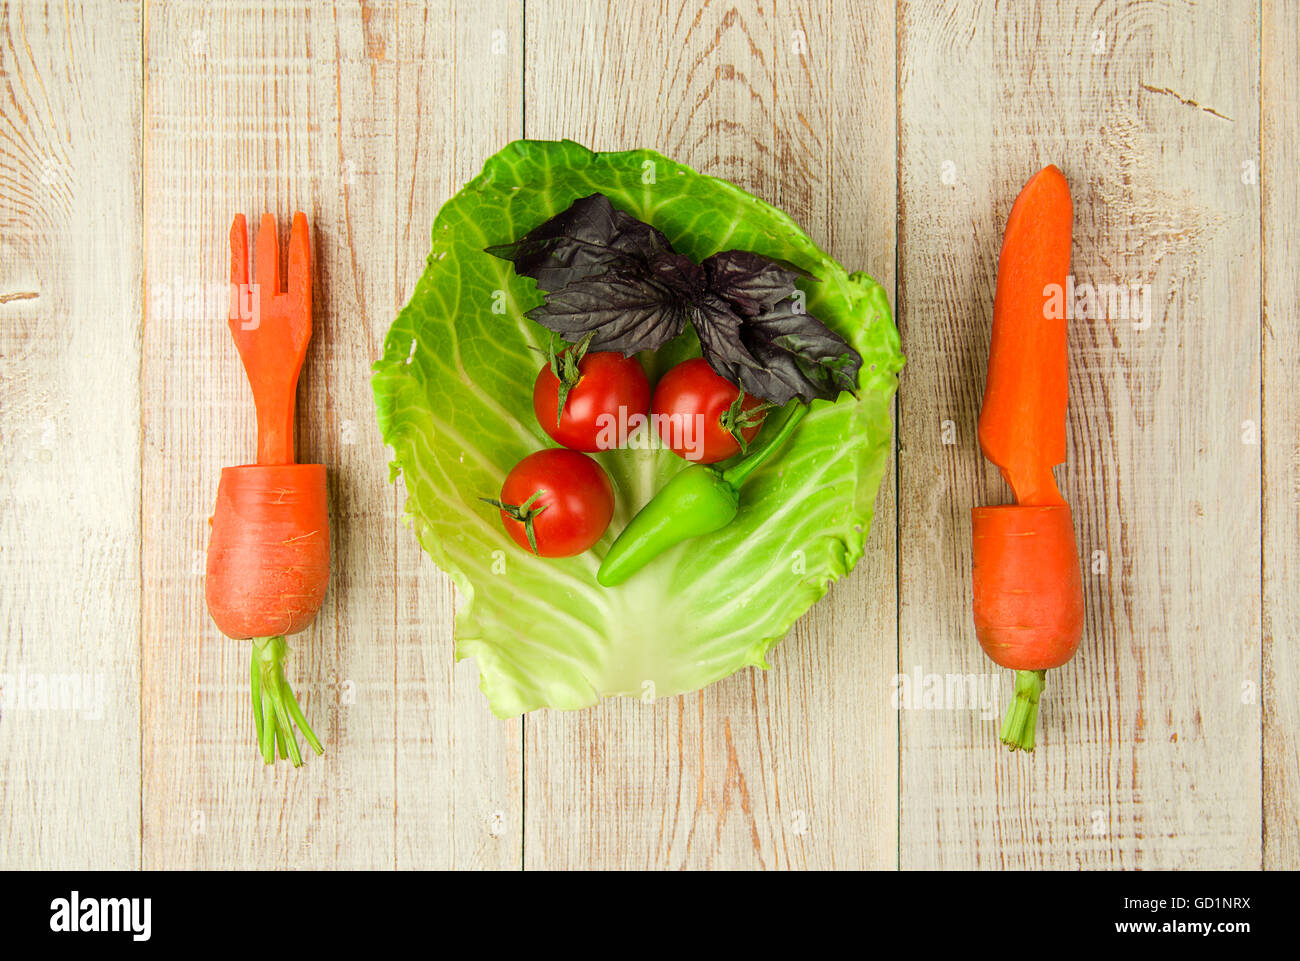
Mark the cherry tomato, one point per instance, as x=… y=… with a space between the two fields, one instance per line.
x=606 y=381
x=563 y=498
x=689 y=403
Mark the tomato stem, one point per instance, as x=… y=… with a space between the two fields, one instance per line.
x=738 y=473
x=524 y=513
x=737 y=419
x=566 y=366
x=275 y=708
x=1022 y=715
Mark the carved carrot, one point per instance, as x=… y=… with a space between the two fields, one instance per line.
x=1028 y=587
x=269 y=556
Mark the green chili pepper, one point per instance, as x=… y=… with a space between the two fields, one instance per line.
x=698 y=500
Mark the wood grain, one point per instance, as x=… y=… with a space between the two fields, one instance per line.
x=314 y=108
x=1149 y=739
x=1280 y=79
x=69 y=444
x=794 y=767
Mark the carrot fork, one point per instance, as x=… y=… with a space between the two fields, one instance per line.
x=271 y=324
x=269 y=550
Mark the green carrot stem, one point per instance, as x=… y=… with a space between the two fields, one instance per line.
x=275 y=708
x=255 y=677
x=1022 y=715
x=266 y=730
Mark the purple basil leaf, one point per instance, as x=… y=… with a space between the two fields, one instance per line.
x=718 y=328
x=798 y=355
x=777 y=356
x=681 y=275
x=618 y=279
x=588 y=238
x=750 y=282
x=627 y=308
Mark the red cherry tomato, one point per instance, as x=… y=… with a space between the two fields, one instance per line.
x=608 y=384
x=688 y=406
x=565 y=497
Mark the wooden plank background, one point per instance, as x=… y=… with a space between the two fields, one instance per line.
x=1280 y=342
x=898 y=135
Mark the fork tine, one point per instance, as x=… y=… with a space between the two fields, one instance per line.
x=300 y=267
x=266 y=263
x=238 y=266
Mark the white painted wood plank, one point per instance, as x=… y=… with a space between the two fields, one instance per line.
x=1280 y=53
x=794 y=767
x=459 y=773
x=69 y=435
x=1148 y=749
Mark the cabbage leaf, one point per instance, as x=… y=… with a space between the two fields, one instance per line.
x=454 y=396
